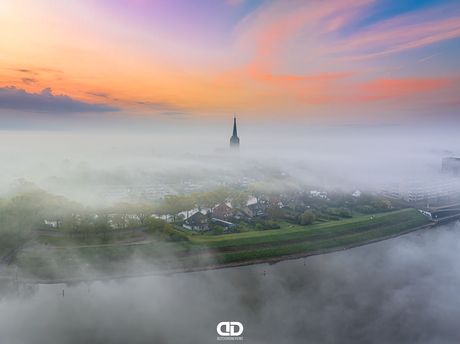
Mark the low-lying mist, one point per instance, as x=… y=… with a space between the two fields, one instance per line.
x=82 y=165
x=403 y=290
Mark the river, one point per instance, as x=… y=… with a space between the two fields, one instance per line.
x=402 y=290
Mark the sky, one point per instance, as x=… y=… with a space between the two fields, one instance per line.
x=329 y=63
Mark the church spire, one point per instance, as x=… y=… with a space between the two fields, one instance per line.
x=234 y=140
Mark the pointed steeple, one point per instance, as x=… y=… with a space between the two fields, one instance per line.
x=234 y=127
x=234 y=140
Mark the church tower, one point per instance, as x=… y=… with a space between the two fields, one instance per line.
x=234 y=140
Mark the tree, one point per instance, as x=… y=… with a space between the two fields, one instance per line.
x=307 y=218
x=102 y=225
x=275 y=213
x=69 y=224
x=20 y=186
x=224 y=192
x=218 y=229
x=55 y=209
x=343 y=212
x=188 y=204
x=21 y=210
x=239 y=200
x=258 y=190
x=173 y=205
x=85 y=227
x=143 y=211
x=133 y=223
x=160 y=210
x=120 y=222
x=120 y=213
x=380 y=205
x=155 y=224
x=199 y=198
x=259 y=226
x=365 y=199
x=212 y=199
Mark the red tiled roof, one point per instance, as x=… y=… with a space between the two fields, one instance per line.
x=223 y=208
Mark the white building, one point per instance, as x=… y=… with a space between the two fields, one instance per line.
x=357 y=193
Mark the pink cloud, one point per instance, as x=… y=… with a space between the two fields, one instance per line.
x=386 y=88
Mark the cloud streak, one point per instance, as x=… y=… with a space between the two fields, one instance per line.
x=13 y=98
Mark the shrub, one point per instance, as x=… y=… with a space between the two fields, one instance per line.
x=259 y=227
x=327 y=217
x=307 y=218
x=271 y=225
x=367 y=209
x=344 y=212
x=156 y=224
x=174 y=235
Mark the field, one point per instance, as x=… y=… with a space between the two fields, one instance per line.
x=202 y=251
x=80 y=241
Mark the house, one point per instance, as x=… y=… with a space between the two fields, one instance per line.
x=196 y=222
x=275 y=201
x=253 y=210
x=241 y=215
x=357 y=193
x=223 y=212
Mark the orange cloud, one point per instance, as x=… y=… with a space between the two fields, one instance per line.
x=290 y=78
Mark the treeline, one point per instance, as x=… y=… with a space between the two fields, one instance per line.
x=37 y=209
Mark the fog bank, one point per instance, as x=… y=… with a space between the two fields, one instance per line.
x=403 y=290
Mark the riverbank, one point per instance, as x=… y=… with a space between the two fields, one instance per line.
x=62 y=265
x=272 y=260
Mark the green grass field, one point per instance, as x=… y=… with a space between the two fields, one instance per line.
x=10 y=240
x=80 y=241
x=201 y=250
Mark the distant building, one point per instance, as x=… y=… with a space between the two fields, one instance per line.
x=317 y=193
x=357 y=193
x=451 y=165
x=234 y=140
x=413 y=191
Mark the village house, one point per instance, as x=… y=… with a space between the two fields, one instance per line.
x=275 y=201
x=223 y=212
x=253 y=210
x=196 y=222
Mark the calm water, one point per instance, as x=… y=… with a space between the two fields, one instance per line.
x=404 y=290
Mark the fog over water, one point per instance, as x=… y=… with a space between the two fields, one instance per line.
x=402 y=290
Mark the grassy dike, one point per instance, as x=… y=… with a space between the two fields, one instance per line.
x=204 y=252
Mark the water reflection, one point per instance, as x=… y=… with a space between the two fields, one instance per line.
x=404 y=290
x=11 y=290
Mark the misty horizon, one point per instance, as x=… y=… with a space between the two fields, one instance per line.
x=120 y=157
